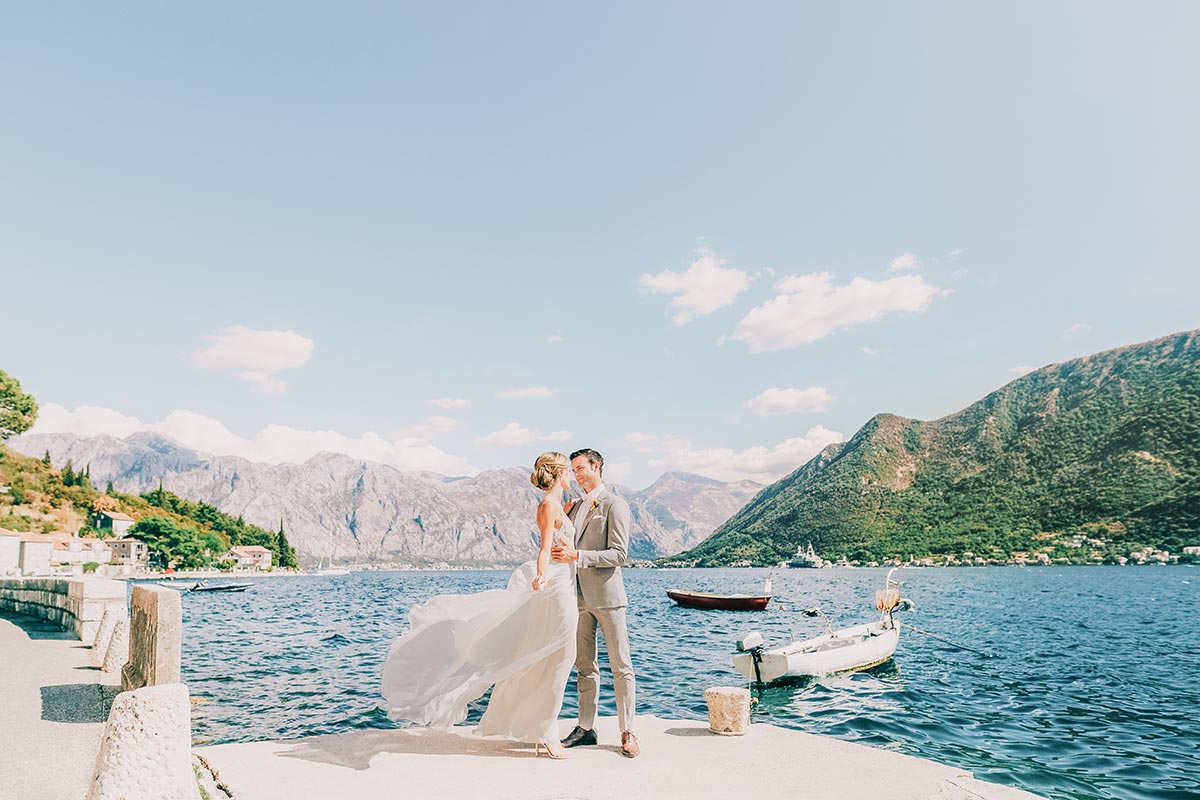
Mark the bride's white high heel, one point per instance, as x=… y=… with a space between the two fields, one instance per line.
x=559 y=756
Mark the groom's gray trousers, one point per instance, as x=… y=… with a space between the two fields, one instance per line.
x=602 y=539
x=611 y=622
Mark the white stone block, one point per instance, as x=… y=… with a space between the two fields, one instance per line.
x=118 y=648
x=728 y=710
x=145 y=752
x=86 y=631
x=104 y=634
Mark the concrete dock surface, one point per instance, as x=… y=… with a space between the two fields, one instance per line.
x=679 y=760
x=52 y=711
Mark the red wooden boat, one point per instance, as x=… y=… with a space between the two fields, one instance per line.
x=727 y=602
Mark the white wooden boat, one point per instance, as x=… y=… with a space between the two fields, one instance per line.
x=846 y=650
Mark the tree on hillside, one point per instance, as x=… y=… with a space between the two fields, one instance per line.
x=18 y=411
x=285 y=552
x=174 y=543
x=68 y=473
x=46 y=458
x=109 y=489
x=105 y=503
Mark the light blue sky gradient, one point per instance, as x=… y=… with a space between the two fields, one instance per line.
x=430 y=192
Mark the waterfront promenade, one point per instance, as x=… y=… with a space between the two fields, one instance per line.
x=53 y=710
x=680 y=760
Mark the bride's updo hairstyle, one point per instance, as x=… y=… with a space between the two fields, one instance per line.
x=547 y=468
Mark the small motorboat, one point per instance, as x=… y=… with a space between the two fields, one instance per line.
x=846 y=650
x=723 y=602
x=726 y=602
x=205 y=586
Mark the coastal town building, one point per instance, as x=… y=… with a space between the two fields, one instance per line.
x=10 y=552
x=251 y=556
x=36 y=552
x=130 y=551
x=113 y=521
x=70 y=550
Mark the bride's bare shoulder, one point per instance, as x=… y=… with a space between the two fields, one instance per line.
x=550 y=510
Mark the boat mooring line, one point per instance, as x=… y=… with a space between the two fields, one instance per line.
x=947 y=641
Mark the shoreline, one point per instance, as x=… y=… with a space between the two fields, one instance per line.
x=183 y=577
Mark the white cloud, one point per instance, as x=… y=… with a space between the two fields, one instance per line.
x=450 y=403
x=253 y=355
x=554 y=339
x=958 y=274
x=274 y=444
x=707 y=285
x=953 y=254
x=813 y=400
x=1019 y=371
x=85 y=421
x=514 y=434
x=431 y=427
x=1078 y=329
x=872 y=351
x=810 y=307
x=904 y=262
x=529 y=391
x=762 y=464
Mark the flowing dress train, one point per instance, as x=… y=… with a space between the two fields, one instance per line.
x=519 y=640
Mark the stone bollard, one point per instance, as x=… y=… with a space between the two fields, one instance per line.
x=145 y=752
x=155 y=637
x=86 y=601
x=728 y=710
x=118 y=647
x=107 y=625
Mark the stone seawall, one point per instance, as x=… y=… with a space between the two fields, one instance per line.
x=74 y=604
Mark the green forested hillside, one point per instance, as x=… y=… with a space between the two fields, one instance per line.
x=1096 y=455
x=44 y=500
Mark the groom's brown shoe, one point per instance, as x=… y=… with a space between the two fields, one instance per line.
x=629 y=745
x=579 y=736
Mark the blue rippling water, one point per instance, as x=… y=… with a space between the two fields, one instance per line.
x=1089 y=690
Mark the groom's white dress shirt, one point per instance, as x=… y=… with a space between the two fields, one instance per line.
x=587 y=499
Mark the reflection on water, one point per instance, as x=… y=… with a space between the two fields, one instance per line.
x=1092 y=694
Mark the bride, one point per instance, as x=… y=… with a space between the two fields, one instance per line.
x=520 y=639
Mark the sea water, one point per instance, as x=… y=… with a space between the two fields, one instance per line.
x=1070 y=682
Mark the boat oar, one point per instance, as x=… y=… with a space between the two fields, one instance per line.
x=947 y=641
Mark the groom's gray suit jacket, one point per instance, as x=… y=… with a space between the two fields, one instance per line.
x=602 y=539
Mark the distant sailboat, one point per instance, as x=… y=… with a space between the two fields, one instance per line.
x=331 y=569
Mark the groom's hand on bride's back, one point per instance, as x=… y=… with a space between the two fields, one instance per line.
x=564 y=553
x=570 y=505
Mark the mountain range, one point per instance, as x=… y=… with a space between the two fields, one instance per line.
x=336 y=505
x=1101 y=451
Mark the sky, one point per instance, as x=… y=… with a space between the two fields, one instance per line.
x=695 y=236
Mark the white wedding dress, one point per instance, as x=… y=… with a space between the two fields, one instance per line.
x=519 y=640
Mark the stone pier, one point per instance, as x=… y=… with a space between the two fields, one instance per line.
x=76 y=605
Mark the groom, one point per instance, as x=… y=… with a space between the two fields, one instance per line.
x=602 y=521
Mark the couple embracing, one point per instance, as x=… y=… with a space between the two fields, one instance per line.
x=524 y=639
